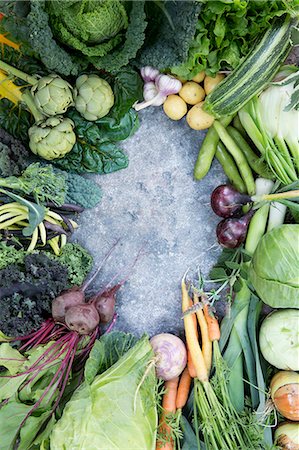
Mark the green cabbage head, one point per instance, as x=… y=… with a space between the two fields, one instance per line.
x=116 y=411
x=93 y=27
x=274 y=269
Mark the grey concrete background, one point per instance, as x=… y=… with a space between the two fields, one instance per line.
x=155 y=205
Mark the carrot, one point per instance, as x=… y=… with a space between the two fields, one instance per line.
x=169 y=407
x=183 y=389
x=192 y=339
x=190 y=364
x=206 y=342
x=213 y=325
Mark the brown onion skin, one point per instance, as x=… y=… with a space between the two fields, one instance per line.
x=286 y=401
x=284 y=389
x=64 y=301
x=284 y=441
x=83 y=319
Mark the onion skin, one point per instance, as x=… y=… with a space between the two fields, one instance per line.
x=284 y=388
x=171 y=354
x=287 y=436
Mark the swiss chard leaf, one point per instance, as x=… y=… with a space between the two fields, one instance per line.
x=127 y=90
x=95 y=149
x=36 y=212
x=94 y=158
x=15 y=120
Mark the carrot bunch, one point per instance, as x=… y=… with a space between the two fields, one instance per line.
x=215 y=417
x=198 y=365
x=174 y=399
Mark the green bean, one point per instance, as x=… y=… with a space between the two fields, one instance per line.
x=255 y=162
x=208 y=150
x=229 y=167
x=238 y=156
x=238 y=126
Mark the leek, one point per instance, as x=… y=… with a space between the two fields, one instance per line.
x=274 y=127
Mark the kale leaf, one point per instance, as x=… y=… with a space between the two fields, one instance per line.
x=14 y=156
x=26 y=292
x=170 y=32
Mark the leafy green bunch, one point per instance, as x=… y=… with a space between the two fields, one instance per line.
x=226 y=31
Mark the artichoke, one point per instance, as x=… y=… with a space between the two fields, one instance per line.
x=52 y=95
x=93 y=97
x=52 y=138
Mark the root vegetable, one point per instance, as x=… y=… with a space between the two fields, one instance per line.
x=210 y=83
x=284 y=389
x=287 y=436
x=174 y=107
x=192 y=93
x=198 y=119
x=72 y=297
x=199 y=77
x=82 y=318
x=171 y=355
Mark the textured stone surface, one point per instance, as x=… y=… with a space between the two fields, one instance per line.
x=155 y=205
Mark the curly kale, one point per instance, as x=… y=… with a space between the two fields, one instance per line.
x=77 y=260
x=26 y=293
x=10 y=255
x=171 y=30
x=14 y=157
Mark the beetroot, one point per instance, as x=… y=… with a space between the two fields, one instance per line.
x=82 y=318
x=60 y=304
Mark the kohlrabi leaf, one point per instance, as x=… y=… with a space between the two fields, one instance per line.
x=36 y=212
x=118 y=408
x=106 y=352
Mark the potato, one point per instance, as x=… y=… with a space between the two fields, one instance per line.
x=182 y=80
x=174 y=107
x=210 y=83
x=199 y=77
x=198 y=119
x=192 y=93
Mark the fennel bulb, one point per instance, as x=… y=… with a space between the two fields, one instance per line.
x=274 y=127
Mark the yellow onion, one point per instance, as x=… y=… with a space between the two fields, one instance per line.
x=284 y=388
x=287 y=436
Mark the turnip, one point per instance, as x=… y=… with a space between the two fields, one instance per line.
x=171 y=355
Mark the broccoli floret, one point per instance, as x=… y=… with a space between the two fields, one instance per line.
x=26 y=293
x=14 y=157
x=82 y=191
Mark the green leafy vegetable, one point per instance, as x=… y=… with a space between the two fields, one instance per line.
x=28 y=287
x=171 y=29
x=226 y=31
x=95 y=149
x=277 y=284
x=77 y=260
x=39 y=181
x=105 y=409
x=82 y=191
x=106 y=352
x=10 y=255
x=13 y=155
x=40 y=37
x=93 y=28
x=127 y=87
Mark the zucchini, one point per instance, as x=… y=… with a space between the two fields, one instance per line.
x=253 y=74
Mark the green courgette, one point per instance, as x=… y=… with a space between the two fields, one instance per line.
x=253 y=74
